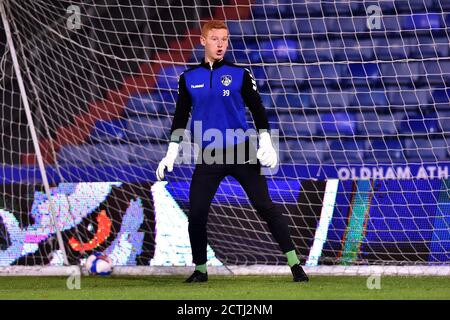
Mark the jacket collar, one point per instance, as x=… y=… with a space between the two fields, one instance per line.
x=216 y=64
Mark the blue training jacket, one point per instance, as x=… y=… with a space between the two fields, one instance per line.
x=216 y=98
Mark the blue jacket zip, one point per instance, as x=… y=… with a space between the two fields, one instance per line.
x=210 y=76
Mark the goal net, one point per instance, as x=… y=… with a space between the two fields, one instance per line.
x=357 y=94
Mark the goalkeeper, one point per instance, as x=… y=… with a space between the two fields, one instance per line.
x=217 y=92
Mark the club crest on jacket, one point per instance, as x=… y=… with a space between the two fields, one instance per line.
x=226 y=80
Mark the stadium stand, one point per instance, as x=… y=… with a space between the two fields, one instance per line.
x=372 y=83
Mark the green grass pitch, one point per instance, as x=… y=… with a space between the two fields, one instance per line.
x=224 y=288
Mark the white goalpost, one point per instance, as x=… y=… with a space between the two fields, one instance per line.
x=358 y=91
x=37 y=149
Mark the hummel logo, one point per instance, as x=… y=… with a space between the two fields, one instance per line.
x=197 y=86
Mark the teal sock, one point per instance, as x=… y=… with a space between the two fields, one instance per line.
x=201 y=268
x=292 y=258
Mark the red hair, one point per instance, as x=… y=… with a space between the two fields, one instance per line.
x=213 y=24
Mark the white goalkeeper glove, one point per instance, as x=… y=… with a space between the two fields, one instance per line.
x=168 y=161
x=266 y=153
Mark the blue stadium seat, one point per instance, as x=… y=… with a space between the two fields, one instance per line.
x=198 y=54
x=391 y=23
x=313 y=25
x=391 y=48
x=447 y=21
x=274 y=122
x=268 y=98
x=262 y=9
x=148 y=128
x=441 y=98
x=385 y=150
x=403 y=74
x=238 y=52
x=372 y=124
x=267 y=9
x=306 y=151
x=164 y=95
x=337 y=124
x=167 y=78
x=386 y=6
x=295 y=125
x=428 y=47
x=370 y=100
x=166 y=100
x=293 y=101
x=357 y=74
x=279 y=50
x=108 y=130
x=260 y=74
x=330 y=99
x=317 y=50
x=415 y=123
x=306 y=99
x=283 y=152
x=408 y=99
x=442 y=5
x=425 y=149
x=246 y=52
x=79 y=155
x=414 y=5
x=324 y=74
x=302 y=8
x=436 y=73
x=353 y=50
x=144 y=103
x=444 y=121
x=286 y=75
x=346 y=151
x=111 y=154
x=340 y=7
x=277 y=95
x=147 y=153
x=423 y=21
x=275 y=27
x=239 y=28
x=346 y=25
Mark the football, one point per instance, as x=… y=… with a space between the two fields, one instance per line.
x=99 y=264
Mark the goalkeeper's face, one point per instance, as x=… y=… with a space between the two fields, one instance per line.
x=215 y=43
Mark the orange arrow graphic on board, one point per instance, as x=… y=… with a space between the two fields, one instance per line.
x=103 y=231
